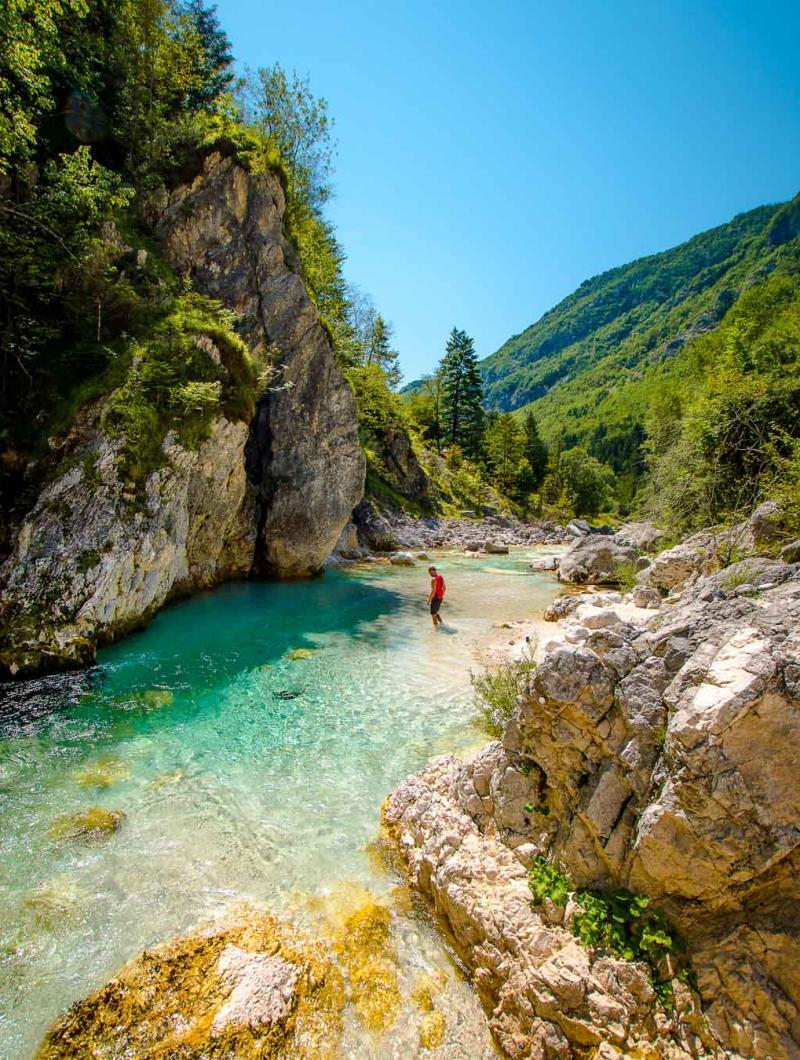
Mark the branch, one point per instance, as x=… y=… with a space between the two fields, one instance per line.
x=41 y=224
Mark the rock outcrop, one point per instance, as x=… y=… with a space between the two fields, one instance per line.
x=595 y=560
x=224 y=231
x=249 y=987
x=92 y=561
x=656 y=752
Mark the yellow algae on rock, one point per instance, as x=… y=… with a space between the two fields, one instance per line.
x=250 y=987
x=366 y=950
x=426 y=988
x=156 y=698
x=432 y=1029
x=300 y=653
x=87 y=825
x=103 y=773
x=166 y=779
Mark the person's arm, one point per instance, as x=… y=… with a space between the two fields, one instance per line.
x=433 y=586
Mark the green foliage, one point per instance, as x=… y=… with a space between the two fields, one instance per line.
x=587 y=483
x=497 y=691
x=30 y=43
x=621 y=366
x=174 y=383
x=88 y=561
x=623 y=923
x=288 y=117
x=504 y=443
x=379 y=409
x=424 y=405
x=545 y=881
x=625 y=577
x=722 y=435
x=615 y=921
x=534 y=452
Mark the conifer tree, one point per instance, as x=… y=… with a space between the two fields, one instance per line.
x=505 y=446
x=462 y=394
x=535 y=451
x=380 y=352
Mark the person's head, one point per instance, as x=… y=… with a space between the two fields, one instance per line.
x=432 y=571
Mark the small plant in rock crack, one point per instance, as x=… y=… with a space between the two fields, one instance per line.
x=545 y=881
x=532 y=808
x=497 y=691
x=615 y=921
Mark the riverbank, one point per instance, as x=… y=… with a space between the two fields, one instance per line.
x=650 y=753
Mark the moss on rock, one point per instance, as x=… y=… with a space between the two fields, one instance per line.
x=190 y=998
x=92 y=825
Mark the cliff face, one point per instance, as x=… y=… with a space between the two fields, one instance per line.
x=225 y=232
x=92 y=561
x=654 y=751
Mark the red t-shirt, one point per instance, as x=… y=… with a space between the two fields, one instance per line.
x=438 y=586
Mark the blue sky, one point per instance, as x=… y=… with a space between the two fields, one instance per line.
x=493 y=155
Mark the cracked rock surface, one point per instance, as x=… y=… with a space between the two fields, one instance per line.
x=657 y=752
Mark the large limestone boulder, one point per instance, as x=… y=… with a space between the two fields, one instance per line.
x=595 y=560
x=250 y=987
x=644 y=536
x=674 y=567
x=544 y=993
x=374 y=529
x=224 y=231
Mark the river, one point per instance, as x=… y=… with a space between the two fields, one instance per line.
x=245 y=769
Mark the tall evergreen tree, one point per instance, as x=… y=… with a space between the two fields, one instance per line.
x=462 y=394
x=505 y=446
x=380 y=352
x=217 y=56
x=535 y=451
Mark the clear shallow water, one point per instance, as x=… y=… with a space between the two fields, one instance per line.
x=242 y=773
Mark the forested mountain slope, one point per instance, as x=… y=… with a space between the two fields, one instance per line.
x=585 y=363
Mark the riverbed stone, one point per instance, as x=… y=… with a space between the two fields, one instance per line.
x=93 y=825
x=250 y=986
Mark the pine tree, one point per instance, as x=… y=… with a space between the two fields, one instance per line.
x=380 y=352
x=535 y=451
x=462 y=394
x=217 y=54
x=505 y=444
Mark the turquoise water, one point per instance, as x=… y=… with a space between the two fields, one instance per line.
x=242 y=773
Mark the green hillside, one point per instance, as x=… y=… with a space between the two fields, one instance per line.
x=586 y=365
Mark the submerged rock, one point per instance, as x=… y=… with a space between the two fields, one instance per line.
x=247 y=988
x=299 y=654
x=103 y=773
x=92 y=825
x=367 y=952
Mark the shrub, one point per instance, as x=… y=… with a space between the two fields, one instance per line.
x=497 y=691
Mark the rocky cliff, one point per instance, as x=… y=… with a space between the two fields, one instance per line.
x=654 y=751
x=91 y=560
x=224 y=231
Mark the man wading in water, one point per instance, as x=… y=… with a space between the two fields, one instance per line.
x=436 y=596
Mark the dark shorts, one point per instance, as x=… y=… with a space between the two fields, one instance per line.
x=436 y=603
